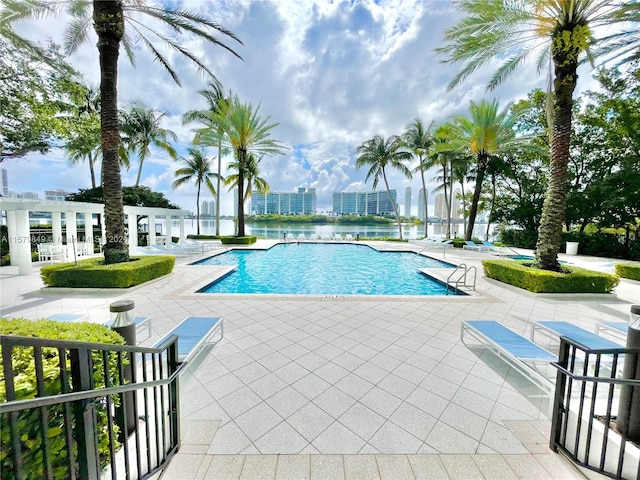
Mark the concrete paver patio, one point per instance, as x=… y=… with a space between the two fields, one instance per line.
x=351 y=387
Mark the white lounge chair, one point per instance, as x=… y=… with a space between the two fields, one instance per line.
x=521 y=353
x=556 y=329
x=337 y=237
x=618 y=330
x=471 y=245
x=301 y=237
x=348 y=237
x=193 y=333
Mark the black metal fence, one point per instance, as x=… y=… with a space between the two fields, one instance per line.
x=586 y=407
x=95 y=410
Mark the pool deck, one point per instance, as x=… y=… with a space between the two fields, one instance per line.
x=348 y=387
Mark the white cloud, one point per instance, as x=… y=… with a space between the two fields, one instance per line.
x=331 y=73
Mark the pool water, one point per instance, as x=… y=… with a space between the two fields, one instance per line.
x=325 y=269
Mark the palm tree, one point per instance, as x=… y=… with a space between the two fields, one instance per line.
x=215 y=99
x=563 y=31
x=198 y=170
x=141 y=128
x=245 y=133
x=484 y=134
x=85 y=138
x=251 y=176
x=378 y=154
x=112 y=20
x=418 y=140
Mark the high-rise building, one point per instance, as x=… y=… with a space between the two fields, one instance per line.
x=364 y=203
x=407 y=202
x=421 y=204
x=441 y=206
x=302 y=202
x=5 y=182
x=208 y=209
x=60 y=194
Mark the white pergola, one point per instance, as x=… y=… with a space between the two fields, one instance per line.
x=19 y=236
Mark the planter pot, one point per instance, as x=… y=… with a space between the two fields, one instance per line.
x=572 y=248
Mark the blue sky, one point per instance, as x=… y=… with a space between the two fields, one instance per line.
x=332 y=74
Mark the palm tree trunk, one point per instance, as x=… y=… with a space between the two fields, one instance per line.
x=108 y=23
x=450 y=205
x=425 y=196
x=555 y=201
x=493 y=201
x=473 y=211
x=446 y=198
x=464 y=208
x=198 y=210
x=395 y=206
x=242 y=160
x=93 y=173
x=218 y=187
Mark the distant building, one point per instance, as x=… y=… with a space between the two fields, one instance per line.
x=407 y=202
x=421 y=204
x=302 y=202
x=441 y=206
x=5 y=182
x=208 y=209
x=364 y=203
x=60 y=194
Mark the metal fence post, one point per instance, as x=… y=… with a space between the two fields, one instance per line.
x=629 y=408
x=85 y=415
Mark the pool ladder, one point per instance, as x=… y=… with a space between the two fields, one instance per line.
x=461 y=281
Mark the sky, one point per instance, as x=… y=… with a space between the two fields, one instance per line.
x=330 y=74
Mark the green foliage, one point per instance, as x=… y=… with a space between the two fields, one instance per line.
x=139 y=196
x=629 y=270
x=603 y=245
x=203 y=237
x=571 y=280
x=275 y=218
x=94 y=273
x=29 y=421
x=364 y=220
x=519 y=238
x=231 y=240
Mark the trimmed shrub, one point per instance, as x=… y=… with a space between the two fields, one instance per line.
x=29 y=421
x=519 y=238
x=203 y=237
x=246 y=240
x=93 y=273
x=629 y=270
x=571 y=280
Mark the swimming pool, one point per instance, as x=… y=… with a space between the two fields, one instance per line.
x=325 y=269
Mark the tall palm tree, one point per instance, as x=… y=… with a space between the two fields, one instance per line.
x=563 y=31
x=141 y=129
x=245 y=133
x=419 y=140
x=251 y=175
x=197 y=170
x=485 y=133
x=111 y=20
x=215 y=99
x=378 y=154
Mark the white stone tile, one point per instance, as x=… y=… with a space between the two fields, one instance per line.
x=397 y=386
x=198 y=432
x=223 y=386
x=293 y=467
x=494 y=467
x=446 y=439
x=338 y=439
x=311 y=386
x=427 y=401
x=282 y=439
x=227 y=467
x=287 y=401
x=361 y=420
x=380 y=401
x=274 y=361
x=526 y=466
x=392 y=439
x=370 y=373
x=465 y=421
x=360 y=467
x=229 y=439
x=259 y=467
x=183 y=466
x=327 y=467
x=428 y=467
x=258 y=420
x=268 y=385
x=310 y=421
x=291 y=372
x=413 y=420
x=354 y=386
x=238 y=402
x=461 y=467
x=501 y=439
x=334 y=401
x=330 y=372
x=394 y=467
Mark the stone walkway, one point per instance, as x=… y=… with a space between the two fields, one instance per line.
x=348 y=387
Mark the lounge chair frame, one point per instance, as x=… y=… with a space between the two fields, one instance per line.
x=214 y=326
x=617 y=330
x=505 y=343
x=555 y=329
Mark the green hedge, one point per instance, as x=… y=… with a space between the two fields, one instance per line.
x=93 y=273
x=29 y=421
x=572 y=280
x=246 y=240
x=629 y=270
x=203 y=237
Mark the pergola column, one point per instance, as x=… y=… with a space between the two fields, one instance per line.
x=152 y=229
x=56 y=228
x=88 y=227
x=22 y=248
x=167 y=222
x=13 y=237
x=181 y=218
x=132 y=226
x=72 y=227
